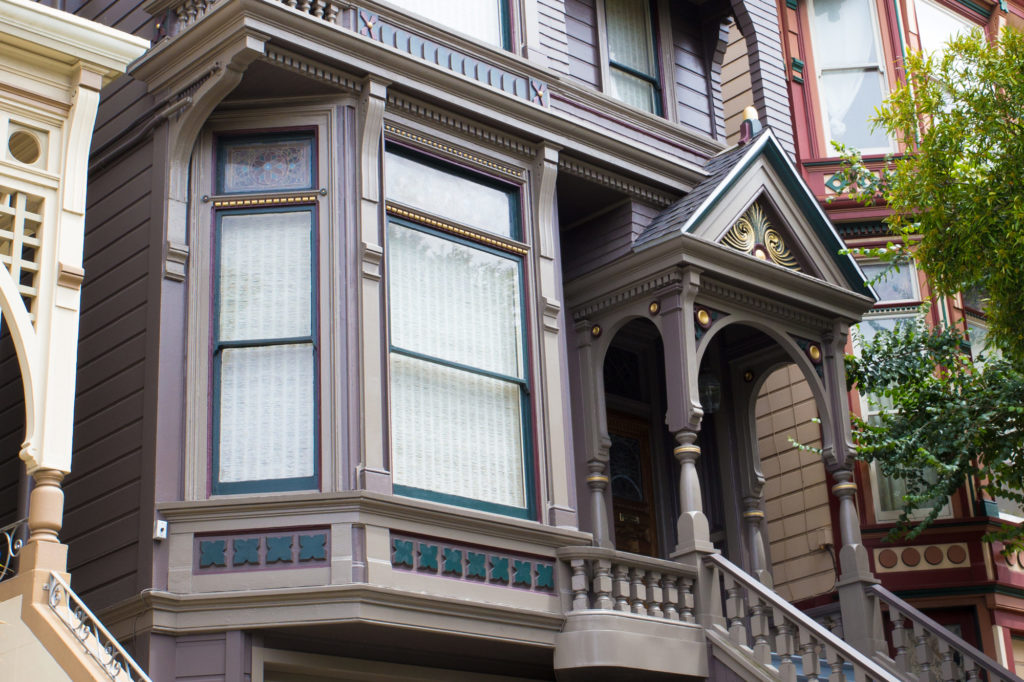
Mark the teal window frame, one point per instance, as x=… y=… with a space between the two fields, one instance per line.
x=312 y=482
x=525 y=402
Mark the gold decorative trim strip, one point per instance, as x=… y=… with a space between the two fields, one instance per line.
x=597 y=478
x=454 y=151
x=264 y=201
x=679 y=449
x=753 y=514
x=843 y=486
x=461 y=231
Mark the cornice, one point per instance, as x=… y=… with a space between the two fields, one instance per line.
x=614 y=181
x=629 y=293
x=310 y=68
x=720 y=292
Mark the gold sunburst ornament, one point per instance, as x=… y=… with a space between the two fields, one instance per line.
x=753 y=233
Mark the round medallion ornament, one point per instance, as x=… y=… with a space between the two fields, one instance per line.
x=911 y=557
x=814 y=353
x=654 y=307
x=748 y=376
x=595 y=331
x=703 y=317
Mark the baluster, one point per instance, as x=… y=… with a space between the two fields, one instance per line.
x=686 y=600
x=809 y=659
x=971 y=672
x=900 y=640
x=602 y=584
x=318 y=9
x=835 y=664
x=654 y=594
x=734 y=610
x=922 y=652
x=620 y=587
x=637 y=591
x=578 y=584
x=785 y=647
x=760 y=631
x=303 y=6
x=947 y=666
x=670 y=596
x=332 y=12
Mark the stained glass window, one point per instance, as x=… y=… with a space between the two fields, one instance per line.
x=269 y=163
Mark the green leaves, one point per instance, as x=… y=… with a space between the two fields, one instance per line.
x=957 y=192
x=943 y=420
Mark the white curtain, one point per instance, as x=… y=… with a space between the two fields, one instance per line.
x=631 y=44
x=480 y=19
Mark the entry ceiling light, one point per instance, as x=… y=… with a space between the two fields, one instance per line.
x=710 y=390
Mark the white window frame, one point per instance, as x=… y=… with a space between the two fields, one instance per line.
x=909 y=266
x=939 y=7
x=878 y=65
x=201 y=283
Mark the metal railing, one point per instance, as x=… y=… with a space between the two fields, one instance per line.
x=762 y=625
x=99 y=644
x=10 y=546
x=931 y=653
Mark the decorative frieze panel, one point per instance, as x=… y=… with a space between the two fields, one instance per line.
x=754 y=234
x=704 y=318
x=435 y=556
x=812 y=349
x=261 y=550
x=374 y=27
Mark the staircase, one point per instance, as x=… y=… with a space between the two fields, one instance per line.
x=752 y=633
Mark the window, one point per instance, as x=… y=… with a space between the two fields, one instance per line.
x=263 y=340
x=937 y=25
x=485 y=20
x=851 y=80
x=892 y=284
x=458 y=381
x=632 y=55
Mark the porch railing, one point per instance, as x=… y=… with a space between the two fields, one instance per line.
x=605 y=579
x=762 y=625
x=929 y=652
x=10 y=547
x=99 y=644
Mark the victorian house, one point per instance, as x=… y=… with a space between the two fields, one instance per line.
x=461 y=341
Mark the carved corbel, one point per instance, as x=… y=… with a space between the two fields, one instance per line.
x=545 y=174
x=840 y=448
x=371 y=127
x=684 y=410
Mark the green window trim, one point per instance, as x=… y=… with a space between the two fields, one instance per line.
x=217 y=346
x=653 y=78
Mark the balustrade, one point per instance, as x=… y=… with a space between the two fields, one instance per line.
x=10 y=546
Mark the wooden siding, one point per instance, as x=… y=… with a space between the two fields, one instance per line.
x=581 y=32
x=736 y=88
x=604 y=239
x=125 y=15
x=221 y=657
x=693 y=101
x=553 y=38
x=102 y=508
x=12 y=429
x=796 y=487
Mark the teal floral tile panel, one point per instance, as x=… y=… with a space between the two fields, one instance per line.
x=260 y=551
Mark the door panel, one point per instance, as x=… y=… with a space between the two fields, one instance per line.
x=633 y=506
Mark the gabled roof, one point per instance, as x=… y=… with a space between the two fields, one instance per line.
x=724 y=172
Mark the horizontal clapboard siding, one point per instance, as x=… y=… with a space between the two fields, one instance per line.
x=581 y=33
x=604 y=239
x=553 y=40
x=12 y=429
x=102 y=508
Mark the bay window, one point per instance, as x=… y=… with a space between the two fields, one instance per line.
x=937 y=25
x=485 y=20
x=263 y=338
x=851 y=77
x=632 y=54
x=459 y=408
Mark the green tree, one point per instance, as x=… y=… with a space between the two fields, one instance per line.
x=944 y=420
x=957 y=194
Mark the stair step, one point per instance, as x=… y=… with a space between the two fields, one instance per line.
x=826 y=669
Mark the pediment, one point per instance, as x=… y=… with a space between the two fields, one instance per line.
x=755 y=202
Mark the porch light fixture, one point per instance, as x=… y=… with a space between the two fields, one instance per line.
x=710 y=390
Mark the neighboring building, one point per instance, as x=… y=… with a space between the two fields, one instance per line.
x=440 y=341
x=834 y=84
x=52 y=68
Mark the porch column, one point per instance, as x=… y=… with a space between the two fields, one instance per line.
x=862 y=617
x=590 y=381
x=753 y=519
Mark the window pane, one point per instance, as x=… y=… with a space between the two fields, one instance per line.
x=850 y=100
x=478 y=18
x=891 y=285
x=632 y=90
x=448 y=195
x=456 y=432
x=629 y=34
x=835 y=21
x=264 y=281
x=872 y=325
x=936 y=26
x=266 y=415
x=266 y=165
x=454 y=302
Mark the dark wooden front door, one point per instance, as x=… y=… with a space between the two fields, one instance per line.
x=632 y=487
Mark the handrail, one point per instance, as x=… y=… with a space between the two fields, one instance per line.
x=994 y=670
x=13 y=546
x=99 y=644
x=811 y=629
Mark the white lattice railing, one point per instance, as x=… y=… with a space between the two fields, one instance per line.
x=97 y=641
x=605 y=579
x=188 y=12
x=764 y=627
x=21 y=222
x=929 y=652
